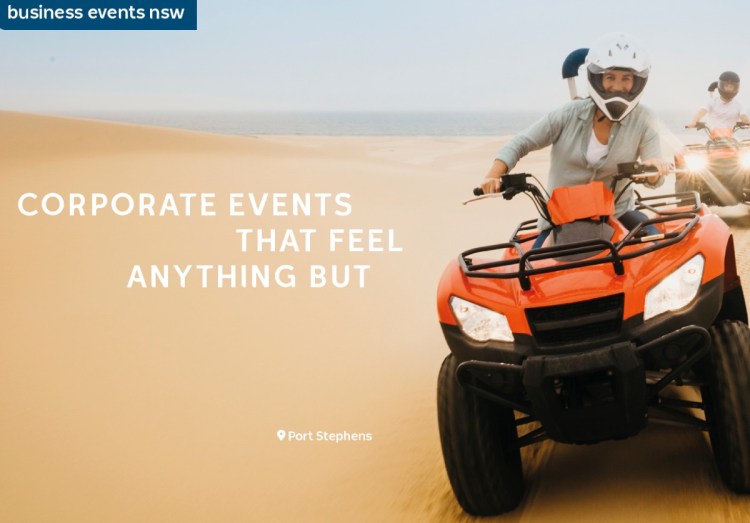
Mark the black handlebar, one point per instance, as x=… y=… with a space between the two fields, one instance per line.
x=507 y=192
x=510 y=184
x=702 y=126
x=513 y=184
x=627 y=169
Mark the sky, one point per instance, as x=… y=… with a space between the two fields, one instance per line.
x=371 y=55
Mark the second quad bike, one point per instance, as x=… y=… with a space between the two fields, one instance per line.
x=579 y=340
x=718 y=170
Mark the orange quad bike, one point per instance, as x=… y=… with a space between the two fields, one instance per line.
x=580 y=340
x=718 y=170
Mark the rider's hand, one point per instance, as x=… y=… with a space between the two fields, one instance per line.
x=490 y=185
x=493 y=180
x=662 y=166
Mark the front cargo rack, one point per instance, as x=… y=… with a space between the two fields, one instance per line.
x=524 y=261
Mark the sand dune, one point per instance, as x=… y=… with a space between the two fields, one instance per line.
x=164 y=404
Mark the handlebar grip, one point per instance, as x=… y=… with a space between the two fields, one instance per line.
x=629 y=169
x=478 y=191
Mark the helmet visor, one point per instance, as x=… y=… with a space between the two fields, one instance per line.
x=597 y=80
x=593 y=68
x=728 y=89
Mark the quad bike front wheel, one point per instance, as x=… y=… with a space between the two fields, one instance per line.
x=727 y=402
x=479 y=441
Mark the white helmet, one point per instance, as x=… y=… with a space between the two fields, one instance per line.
x=617 y=51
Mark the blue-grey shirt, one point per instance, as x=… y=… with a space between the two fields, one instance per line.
x=568 y=129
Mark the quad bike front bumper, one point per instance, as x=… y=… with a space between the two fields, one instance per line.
x=593 y=390
x=590 y=396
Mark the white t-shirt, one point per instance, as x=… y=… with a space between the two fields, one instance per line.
x=596 y=150
x=723 y=114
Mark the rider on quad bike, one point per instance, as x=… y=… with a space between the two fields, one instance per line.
x=590 y=137
x=722 y=112
x=718 y=170
x=579 y=336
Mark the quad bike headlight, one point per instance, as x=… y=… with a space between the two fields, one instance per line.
x=745 y=160
x=480 y=323
x=676 y=290
x=695 y=162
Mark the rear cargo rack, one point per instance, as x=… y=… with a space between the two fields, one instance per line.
x=656 y=204
x=616 y=257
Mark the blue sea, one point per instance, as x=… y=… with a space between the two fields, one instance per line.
x=347 y=123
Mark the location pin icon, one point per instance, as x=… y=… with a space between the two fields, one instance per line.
x=280 y=434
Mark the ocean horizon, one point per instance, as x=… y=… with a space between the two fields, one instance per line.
x=350 y=123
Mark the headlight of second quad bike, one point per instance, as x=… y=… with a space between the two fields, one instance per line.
x=480 y=323
x=695 y=162
x=676 y=290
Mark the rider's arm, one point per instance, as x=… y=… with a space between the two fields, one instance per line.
x=697 y=118
x=540 y=134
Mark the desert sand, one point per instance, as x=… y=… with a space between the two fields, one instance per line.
x=165 y=404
